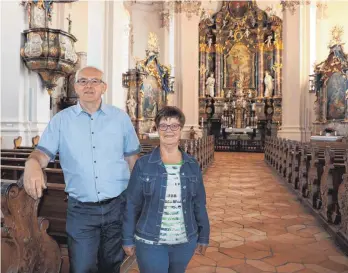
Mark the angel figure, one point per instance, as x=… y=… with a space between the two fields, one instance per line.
x=230 y=35
x=247 y=33
x=269 y=40
x=210 y=42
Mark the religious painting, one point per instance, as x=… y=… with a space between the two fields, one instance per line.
x=336 y=88
x=237 y=9
x=152 y=96
x=239 y=61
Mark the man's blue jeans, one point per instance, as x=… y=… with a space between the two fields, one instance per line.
x=95 y=236
x=164 y=258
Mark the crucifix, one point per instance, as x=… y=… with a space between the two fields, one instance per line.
x=69 y=20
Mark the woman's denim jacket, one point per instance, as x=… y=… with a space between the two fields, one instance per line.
x=146 y=196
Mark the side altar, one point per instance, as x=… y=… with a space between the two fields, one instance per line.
x=148 y=84
x=240 y=67
x=330 y=84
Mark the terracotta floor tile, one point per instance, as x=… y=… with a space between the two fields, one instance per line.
x=261 y=265
x=339 y=259
x=290 y=267
x=246 y=268
x=257 y=255
x=224 y=270
x=334 y=266
x=193 y=263
x=232 y=253
x=216 y=256
x=229 y=262
x=318 y=268
x=202 y=269
x=204 y=260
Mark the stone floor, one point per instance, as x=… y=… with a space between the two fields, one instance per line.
x=258 y=226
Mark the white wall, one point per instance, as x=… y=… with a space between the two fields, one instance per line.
x=79 y=15
x=146 y=19
x=19 y=87
x=335 y=14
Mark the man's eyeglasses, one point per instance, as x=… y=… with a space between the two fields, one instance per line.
x=93 y=82
x=173 y=127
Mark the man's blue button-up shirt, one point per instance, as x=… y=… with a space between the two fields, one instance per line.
x=92 y=150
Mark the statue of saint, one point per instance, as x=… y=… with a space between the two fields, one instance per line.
x=154 y=109
x=210 y=85
x=192 y=133
x=268 y=41
x=268 y=84
x=131 y=105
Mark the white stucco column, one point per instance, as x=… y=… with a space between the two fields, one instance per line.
x=24 y=104
x=295 y=73
x=186 y=68
x=96 y=32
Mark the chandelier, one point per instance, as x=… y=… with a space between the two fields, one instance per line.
x=291 y=5
x=190 y=7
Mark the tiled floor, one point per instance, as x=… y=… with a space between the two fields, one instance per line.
x=258 y=226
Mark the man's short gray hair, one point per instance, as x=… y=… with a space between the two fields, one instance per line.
x=87 y=67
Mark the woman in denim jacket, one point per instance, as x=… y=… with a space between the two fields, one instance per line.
x=165 y=218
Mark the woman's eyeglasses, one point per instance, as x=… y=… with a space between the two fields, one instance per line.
x=173 y=127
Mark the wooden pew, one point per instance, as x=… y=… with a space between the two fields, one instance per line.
x=316 y=169
x=330 y=181
x=25 y=244
x=319 y=176
x=13 y=161
x=342 y=196
x=15 y=172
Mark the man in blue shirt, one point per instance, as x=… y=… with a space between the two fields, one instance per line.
x=97 y=147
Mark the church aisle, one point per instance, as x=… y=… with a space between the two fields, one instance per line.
x=257 y=225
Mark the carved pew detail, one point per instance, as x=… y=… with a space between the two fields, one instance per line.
x=26 y=246
x=17 y=142
x=326 y=183
x=295 y=164
x=303 y=171
x=313 y=190
x=343 y=200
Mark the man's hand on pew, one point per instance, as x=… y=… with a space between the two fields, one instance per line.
x=34 y=181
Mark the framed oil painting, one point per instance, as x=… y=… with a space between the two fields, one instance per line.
x=336 y=88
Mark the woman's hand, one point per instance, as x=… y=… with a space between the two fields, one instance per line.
x=200 y=249
x=129 y=250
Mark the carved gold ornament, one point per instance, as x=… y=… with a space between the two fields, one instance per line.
x=152 y=43
x=336 y=35
x=202 y=70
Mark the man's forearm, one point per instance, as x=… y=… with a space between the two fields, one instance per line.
x=131 y=161
x=41 y=158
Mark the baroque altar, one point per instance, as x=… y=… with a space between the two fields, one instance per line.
x=148 y=84
x=240 y=65
x=330 y=84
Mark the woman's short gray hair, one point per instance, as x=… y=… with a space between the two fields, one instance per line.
x=170 y=112
x=88 y=67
